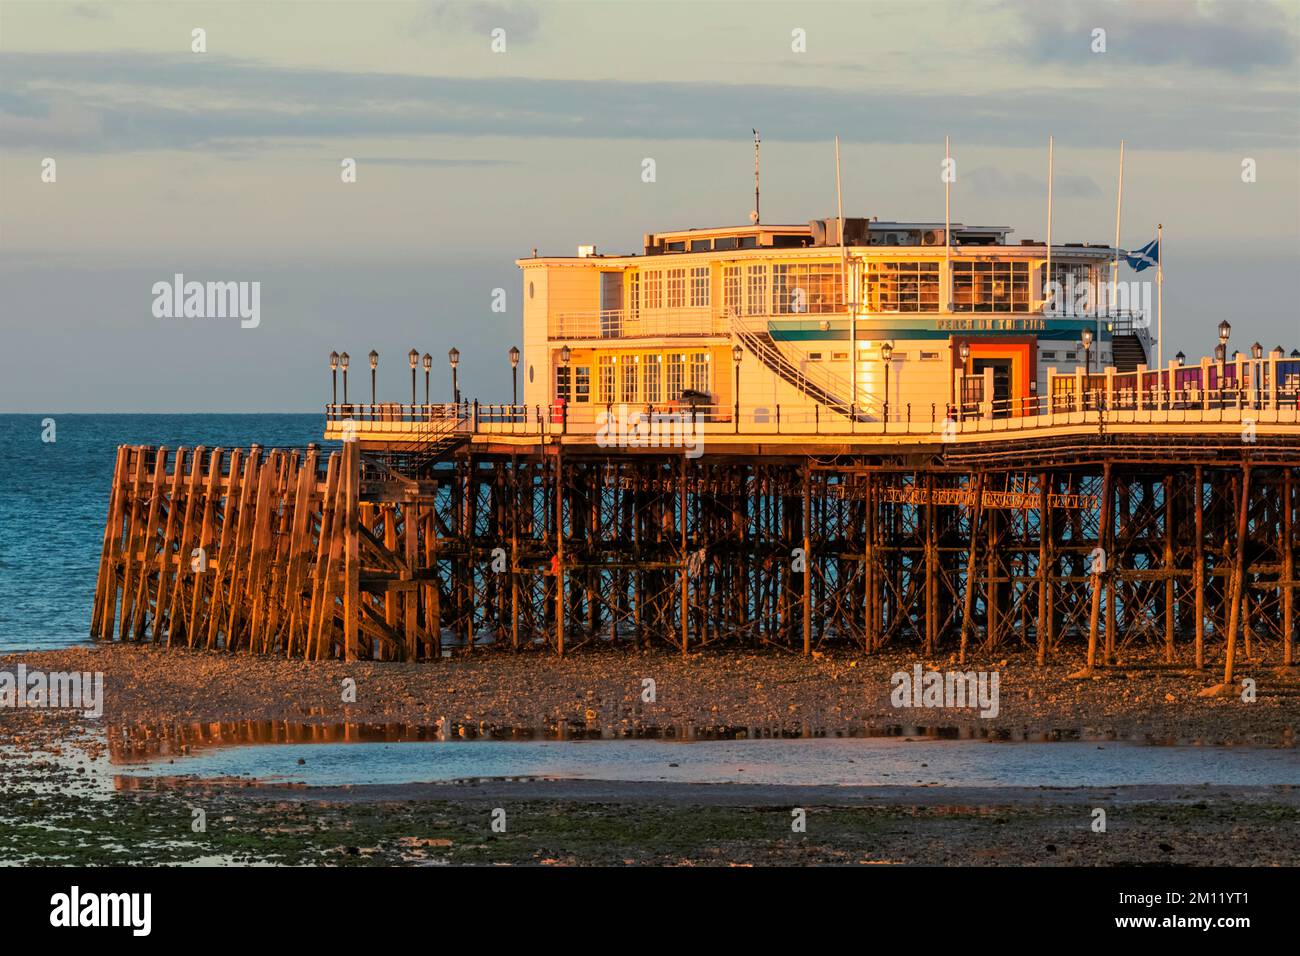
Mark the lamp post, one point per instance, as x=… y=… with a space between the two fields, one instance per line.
x=737 y=354
x=565 y=355
x=1221 y=356
x=427 y=361
x=514 y=379
x=1086 y=336
x=334 y=375
x=343 y=364
x=413 y=357
x=374 y=364
x=1181 y=359
x=886 y=354
x=453 y=359
x=963 y=352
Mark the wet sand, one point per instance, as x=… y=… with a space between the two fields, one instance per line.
x=774 y=693
x=47 y=813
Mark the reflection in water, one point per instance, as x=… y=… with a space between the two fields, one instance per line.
x=135 y=743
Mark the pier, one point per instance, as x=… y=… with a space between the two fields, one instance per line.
x=1094 y=526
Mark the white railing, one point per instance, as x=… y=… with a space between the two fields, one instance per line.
x=634 y=323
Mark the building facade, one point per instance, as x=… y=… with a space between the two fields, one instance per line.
x=900 y=319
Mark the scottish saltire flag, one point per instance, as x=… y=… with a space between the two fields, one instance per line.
x=1147 y=256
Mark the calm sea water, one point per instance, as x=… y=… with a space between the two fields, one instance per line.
x=54 y=499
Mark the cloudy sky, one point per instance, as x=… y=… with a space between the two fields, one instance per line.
x=225 y=164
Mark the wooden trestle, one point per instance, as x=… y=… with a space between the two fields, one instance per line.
x=1178 y=544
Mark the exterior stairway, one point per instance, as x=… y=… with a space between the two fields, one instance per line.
x=826 y=389
x=1127 y=353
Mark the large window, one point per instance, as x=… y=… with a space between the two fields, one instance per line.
x=986 y=285
x=815 y=287
x=699 y=287
x=1073 y=289
x=902 y=286
x=605 y=380
x=676 y=288
x=562 y=383
x=756 y=290
x=634 y=294
x=627 y=379
x=650 y=365
x=700 y=371
x=582 y=384
x=676 y=375
x=654 y=289
x=731 y=294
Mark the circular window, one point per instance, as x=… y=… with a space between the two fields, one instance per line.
x=530 y=290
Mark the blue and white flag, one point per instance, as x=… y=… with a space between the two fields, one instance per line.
x=1144 y=258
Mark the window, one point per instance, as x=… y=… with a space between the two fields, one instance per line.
x=929 y=356
x=562 y=382
x=700 y=371
x=814 y=356
x=701 y=245
x=987 y=285
x=676 y=375
x=749 y=242
x=806 y=287
x=1048 y=356
x=756 y=290
x=676 y=288
x=634 y=293
x=676 y=246
x=1071 y=356
x=654 y=289
x=627 y=376
x=605 y=380
x=903 y=286
x=839 y=356
x=699 y=287
x=650 y=365
x=582 y=384
x=731 y=301
x=1073 y=288
x=726 y=242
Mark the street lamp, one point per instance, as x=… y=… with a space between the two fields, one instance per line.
x=1181 y=359
x=1257 y=351
x=514 y=378
x=334 y=374
x=427 y=361
x=1225 y=330
x=565 y=355
x=886 y=353
x=1086 y=336
x=343 y=364
x=453 y=359
x=413 y=357
x=374 y=364
x=737 y=354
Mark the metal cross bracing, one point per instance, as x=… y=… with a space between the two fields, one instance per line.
x=1070 y=548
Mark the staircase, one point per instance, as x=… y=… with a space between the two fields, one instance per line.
x=431 y=443
x=1127 y=353
x=824 y=387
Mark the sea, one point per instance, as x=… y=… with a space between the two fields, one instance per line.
x=55 y=477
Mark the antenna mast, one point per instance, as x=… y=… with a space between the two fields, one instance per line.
x=755 y=215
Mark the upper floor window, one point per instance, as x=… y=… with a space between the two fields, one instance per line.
x=654 y=289
x=987 y=285
x=676 y=288
x=902 y=286
x=699 y=287
x=731 y=286
x=756 y=290
x=815 y=287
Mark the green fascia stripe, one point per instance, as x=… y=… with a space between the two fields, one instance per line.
x=940 y=327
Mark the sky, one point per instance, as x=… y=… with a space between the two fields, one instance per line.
x=226 y=164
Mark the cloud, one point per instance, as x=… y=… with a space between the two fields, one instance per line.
x=110 y=101
x=1234 y=37
x=519 y=19
x=994 y=183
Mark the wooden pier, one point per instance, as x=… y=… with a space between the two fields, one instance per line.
x=1096 y=540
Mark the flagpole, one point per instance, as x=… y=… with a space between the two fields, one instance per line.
x=1119 y=207
x=947 y=223
x=1047 y=283
x=844 y=289
x=1160 y=295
